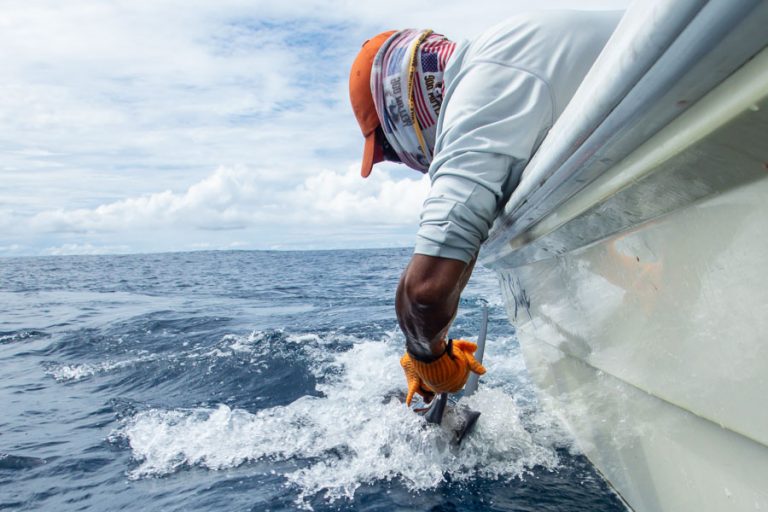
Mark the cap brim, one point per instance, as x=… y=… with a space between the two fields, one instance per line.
x=372 y=154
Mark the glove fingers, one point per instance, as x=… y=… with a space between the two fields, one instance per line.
x=474 y=365
x=411 y=390
x=469 y=348
x=428 y=395
x=465 y=346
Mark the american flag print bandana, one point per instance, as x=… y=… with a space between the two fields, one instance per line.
x=399 y=105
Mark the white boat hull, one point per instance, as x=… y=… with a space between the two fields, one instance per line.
x=651 y=347
x=640 y=294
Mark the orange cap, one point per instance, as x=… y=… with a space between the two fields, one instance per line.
x=362 y=100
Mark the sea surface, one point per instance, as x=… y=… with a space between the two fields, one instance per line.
x=257 y=381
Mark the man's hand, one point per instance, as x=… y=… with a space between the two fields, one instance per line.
x=447 y=374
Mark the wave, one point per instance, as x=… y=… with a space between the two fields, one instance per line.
x=357 y=432
x=21 y=335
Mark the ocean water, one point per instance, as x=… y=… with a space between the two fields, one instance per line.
x=255 y=381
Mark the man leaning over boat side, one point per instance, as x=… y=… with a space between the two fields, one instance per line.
x=471 y=114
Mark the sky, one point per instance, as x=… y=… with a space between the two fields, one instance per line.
x=178 y=125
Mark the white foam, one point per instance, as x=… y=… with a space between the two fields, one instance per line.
x=72 y=372
x=75 y=372
x=228 y=346
x=358 y=432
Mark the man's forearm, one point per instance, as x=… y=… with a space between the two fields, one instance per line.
x=427 y=300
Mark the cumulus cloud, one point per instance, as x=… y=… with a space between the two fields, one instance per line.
x=236 y=198
x=345 y=197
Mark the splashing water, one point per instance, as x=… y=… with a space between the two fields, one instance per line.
x=358 y=432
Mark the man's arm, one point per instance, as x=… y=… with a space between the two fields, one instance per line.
x=427 y=300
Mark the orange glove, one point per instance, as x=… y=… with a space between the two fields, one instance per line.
x=448 y=374
x=415 y=384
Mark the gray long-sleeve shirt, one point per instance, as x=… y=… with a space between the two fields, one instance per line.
x=503 y=92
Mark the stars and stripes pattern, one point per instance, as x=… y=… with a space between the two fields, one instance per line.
x=441 y=49
x=423 y=113
x=433 y=56
x=428 y=62
x=409 y=109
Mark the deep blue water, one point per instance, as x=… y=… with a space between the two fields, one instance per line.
x=255 y=381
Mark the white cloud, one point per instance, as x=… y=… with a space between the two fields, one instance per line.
x=235 y=198
x=344 y=197
x=88 y=249
x=109 y=110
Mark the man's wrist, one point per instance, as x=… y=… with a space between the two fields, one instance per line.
x=427 y=353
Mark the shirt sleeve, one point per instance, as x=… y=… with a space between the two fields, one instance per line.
x=494 y=118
